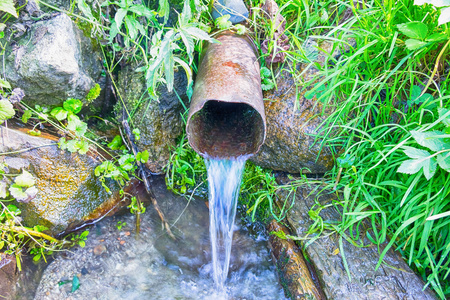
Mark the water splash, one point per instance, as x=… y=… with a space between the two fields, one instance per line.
x=224 y=177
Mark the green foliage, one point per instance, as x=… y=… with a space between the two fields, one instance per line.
x=267 y=82
x=14 y=236
x=93 y=93
x=6 y=110
x=8 y=7
x=136 y=207
x=436 y=141
x=185 y=170
x=120 y=224
x=80 y=239
x=443 y=5
x=223 y=22
x=163 y=60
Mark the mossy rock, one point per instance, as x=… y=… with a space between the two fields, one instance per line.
x=69 y=194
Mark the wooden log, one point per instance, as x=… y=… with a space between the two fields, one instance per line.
x=392 y=280
x=293 y=272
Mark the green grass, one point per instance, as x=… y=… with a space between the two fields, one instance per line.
x=375 y=87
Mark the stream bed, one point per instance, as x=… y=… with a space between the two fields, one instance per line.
x=116 y=264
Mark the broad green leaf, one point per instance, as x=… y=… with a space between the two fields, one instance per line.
x=169 y=65
x=186 y=15
x=71 y=146
x=85 y=9
x=132 y=30
x=83 y=146
x=444 y=113
x=141 y=10
x=430 y=168
x=17 y=192
x=414 y=30
x=443 y=159
x=116 y=143
x=113 y=31
x=189 y=43
x=76 y=125
x=59 y=113
x=445 y=16
x=164 y=9
x=240 y=29
x=415 y=92
x=265 y=72
x=223 y=22
x=436 y=37
x=8 y=6
x=118 y=18
x=25 y=179
x=430 y=140
x=412 y=166
x=142 y=156
x=26 y=115
x=127 y=158
x=267 y=84
x=6 y=110
x=413 y=44
x=3 y=190
x=4 y=84
x=415 y=153
x=199 y=34
x=155 y=65
x=73 y=105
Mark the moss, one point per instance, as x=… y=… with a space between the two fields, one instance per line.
x=93 y=93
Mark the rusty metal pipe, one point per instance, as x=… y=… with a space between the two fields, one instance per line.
x=226 y=118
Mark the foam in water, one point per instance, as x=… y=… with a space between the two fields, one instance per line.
x=224 y=177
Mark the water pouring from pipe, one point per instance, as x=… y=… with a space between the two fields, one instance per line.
x=226 y=125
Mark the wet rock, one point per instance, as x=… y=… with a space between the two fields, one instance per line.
x=53 y=61
x=160 y=122
x=292 y=121
x=393 y=280
x=68 y=191
x=8 y=275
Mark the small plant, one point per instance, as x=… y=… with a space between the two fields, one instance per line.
x=266 y=79
x=185 y=169
x=436 y=141
x=136 y=207
x=120 y=224
x=80 y=239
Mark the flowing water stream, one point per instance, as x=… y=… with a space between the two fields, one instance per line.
x=224 y=179
x=115 y=264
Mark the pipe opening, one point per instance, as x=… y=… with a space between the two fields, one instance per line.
x=224 y=129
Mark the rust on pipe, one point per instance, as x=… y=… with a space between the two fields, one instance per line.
x=226 y=118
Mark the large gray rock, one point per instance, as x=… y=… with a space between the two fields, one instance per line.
x=53 y=61
x=159 y=122
x=292 y=121
x=393 y=279
x=68 y=194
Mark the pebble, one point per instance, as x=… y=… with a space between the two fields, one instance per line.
x=99 y=249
